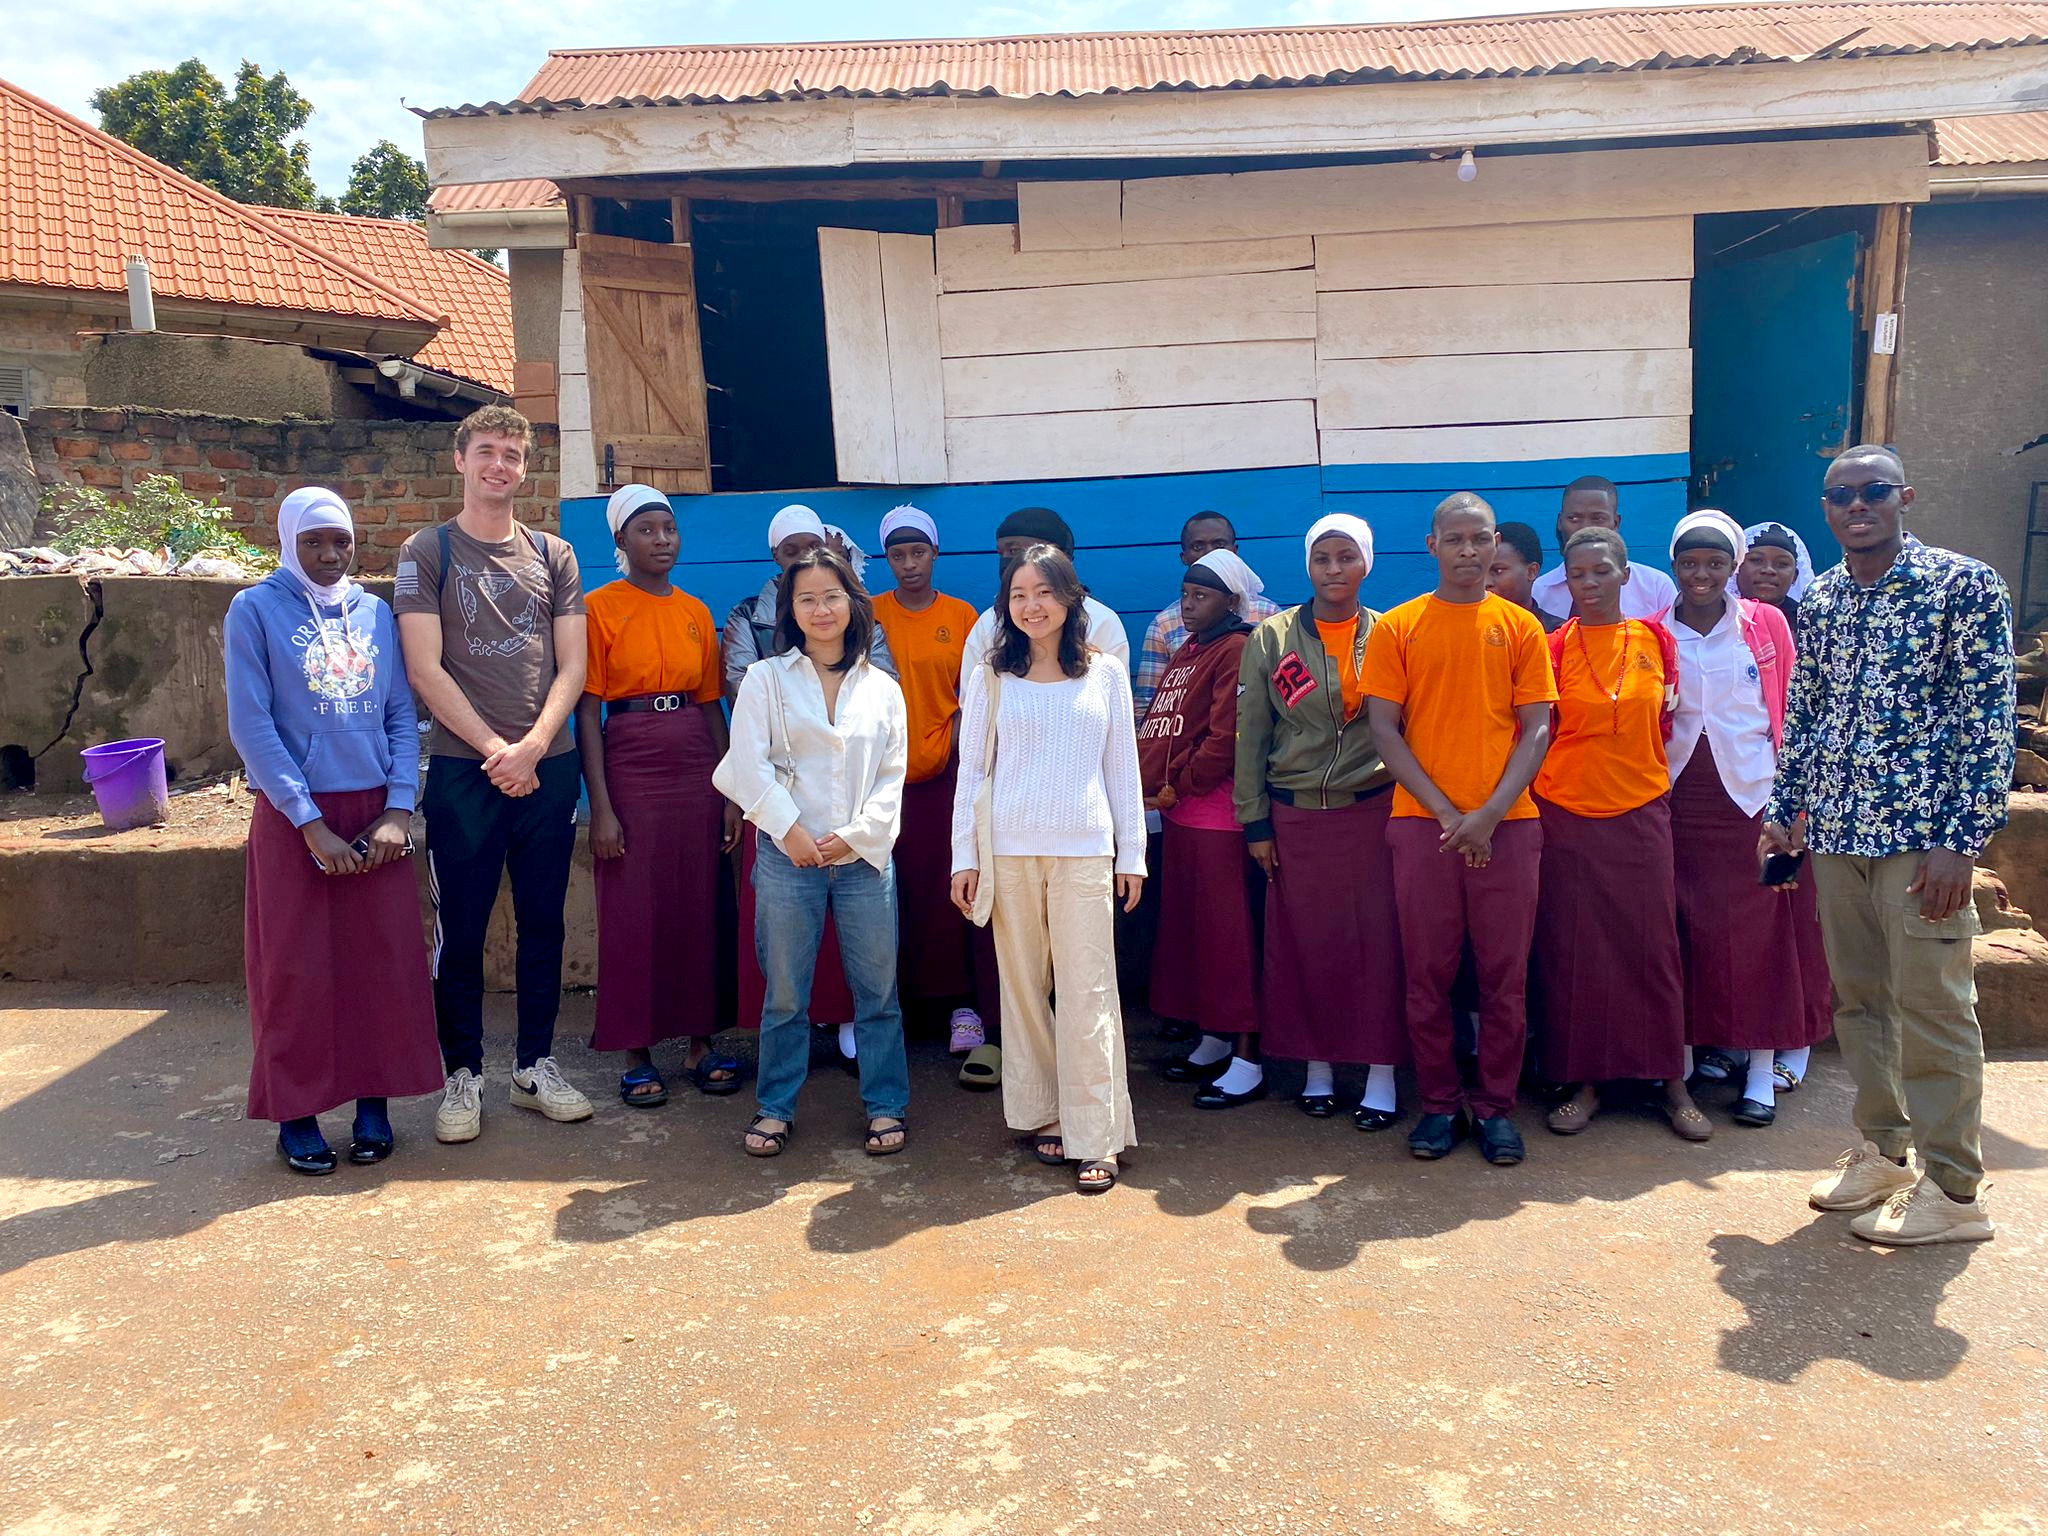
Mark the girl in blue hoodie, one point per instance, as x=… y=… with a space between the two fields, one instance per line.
x=320 y=711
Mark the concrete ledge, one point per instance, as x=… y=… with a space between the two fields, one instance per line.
x=159 y=907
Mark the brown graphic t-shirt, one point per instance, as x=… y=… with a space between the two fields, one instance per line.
x=498 y=604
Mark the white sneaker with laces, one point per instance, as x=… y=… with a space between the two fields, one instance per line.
x=967 y=1032
x=1924 y=1214
x=461 y=1115
x=1863 y=1177
x=542 y=1087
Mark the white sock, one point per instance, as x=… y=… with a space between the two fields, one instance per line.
x=846 y=1038
x=1212 y=1049
x=1322 y=1082
x=1795 y=1061
x=1379 y=1090
x=1240 y=1076
x=1688 y=1063
x=1761 y=1086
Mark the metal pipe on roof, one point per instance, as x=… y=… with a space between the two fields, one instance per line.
x=1970 y=187
x=141 y=303
x=411 y=379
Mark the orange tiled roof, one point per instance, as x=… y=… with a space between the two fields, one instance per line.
x=2016 y=138
x=495 y=196
x=1095 y=63
x=75 y=203
x=476 y=296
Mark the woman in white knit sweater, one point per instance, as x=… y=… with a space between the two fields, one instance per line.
x=1069 y=825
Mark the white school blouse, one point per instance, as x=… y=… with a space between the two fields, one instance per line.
x=1066 y=780
x=1721 y=697
x=848 y=771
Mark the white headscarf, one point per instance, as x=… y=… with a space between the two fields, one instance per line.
x=1801 y=581
x=314 y=506
x=855 y=555
x=1242 y=580
x=907 y=516
x=625 y=502
x=1356 y=529
x=792 y=519
x=1714 y=522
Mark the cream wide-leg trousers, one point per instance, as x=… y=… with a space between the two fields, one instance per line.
x=1054 y=922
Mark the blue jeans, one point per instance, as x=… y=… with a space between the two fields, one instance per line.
x=789 y=924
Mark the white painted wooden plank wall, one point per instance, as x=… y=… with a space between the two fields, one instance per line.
x=1514 y=386
x=1594 y=251
x=857 y=355
x=1172 y=440
x=1070 y=215
x=910 y=311
x=1520 y=317
x=1523 y=440
x=1126 y=378
x=981 y=256
x=1256 y=306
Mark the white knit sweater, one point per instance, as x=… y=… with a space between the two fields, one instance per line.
x=1066 y=781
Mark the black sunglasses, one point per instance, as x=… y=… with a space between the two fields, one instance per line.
x=1876 y=493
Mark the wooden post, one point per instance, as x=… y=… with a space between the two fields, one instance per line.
x=1884 y=293
x=952 y=211
x=679 y=221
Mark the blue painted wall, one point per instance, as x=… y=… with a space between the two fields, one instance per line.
x=1127 y=530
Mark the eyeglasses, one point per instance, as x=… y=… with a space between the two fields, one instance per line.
x=1875 y=494
x=811 y=602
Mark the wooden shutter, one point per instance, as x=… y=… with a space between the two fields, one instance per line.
x=882 y=352
x=646 y=366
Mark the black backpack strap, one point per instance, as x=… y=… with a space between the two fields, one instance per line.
x=441 y=570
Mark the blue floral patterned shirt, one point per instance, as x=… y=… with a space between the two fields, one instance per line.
x=1899 y=726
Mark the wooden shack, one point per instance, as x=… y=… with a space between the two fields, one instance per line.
x=1134 y=277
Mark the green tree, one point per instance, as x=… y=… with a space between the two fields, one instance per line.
x=240 y=145
x=387 y=183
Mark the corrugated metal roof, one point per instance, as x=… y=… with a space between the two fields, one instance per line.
x=1096 y=63
x=476 y=342
x=75 y=203
x=2019 y=138
x=495 y=197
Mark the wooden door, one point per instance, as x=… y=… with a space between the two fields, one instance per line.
x=646 y=367
x=882 y=356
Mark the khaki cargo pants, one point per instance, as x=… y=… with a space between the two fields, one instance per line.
x=1906 y=1014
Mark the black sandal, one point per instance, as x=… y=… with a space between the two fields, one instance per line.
x=1095 y=1165
x=776 y=1140
x=1041 y=1141
x=634 y=1079
x=876 y=1146
x=714 y=1087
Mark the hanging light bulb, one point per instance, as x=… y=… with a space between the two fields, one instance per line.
x=1468 y=168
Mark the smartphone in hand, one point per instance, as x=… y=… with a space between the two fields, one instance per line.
x=1779 y=868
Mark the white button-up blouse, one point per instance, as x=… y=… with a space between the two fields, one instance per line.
x=789 y=764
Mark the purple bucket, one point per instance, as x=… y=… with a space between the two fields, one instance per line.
x=127 y=778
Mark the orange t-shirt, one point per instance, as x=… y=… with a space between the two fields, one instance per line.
x=1341 y=641
x=1607 y=755
x=928 y=647
x=644 y=644
x=1459 y=671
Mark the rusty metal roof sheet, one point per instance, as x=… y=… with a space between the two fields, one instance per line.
x=495 y=197
x=1100 y=63
x=2018 y=138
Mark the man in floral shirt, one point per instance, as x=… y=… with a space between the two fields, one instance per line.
x=1897 y=758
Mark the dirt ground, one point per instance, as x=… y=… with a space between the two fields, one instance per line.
x=1272 y=1325
x=198 y=812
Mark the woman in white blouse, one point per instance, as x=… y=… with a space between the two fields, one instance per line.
x=819 y=749
x=1756 y=982
x=1068 y=841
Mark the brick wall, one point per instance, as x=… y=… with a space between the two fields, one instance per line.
x=396 y=475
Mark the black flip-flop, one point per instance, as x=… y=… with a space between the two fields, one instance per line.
x=875 y=1146
x=776 y=1140
x=714 y=1087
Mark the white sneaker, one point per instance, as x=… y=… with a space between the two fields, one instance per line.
x=461 y=1115
x=542 y=1087
x=1863 y=1177
x=1923 y=1214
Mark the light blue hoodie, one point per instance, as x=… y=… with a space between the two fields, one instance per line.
x=319 y=707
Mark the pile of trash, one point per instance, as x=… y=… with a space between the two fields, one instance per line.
x=44 y=561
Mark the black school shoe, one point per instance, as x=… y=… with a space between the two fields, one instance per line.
x=308 y=1161
x=1181 y=1070
x=1213 y=1097
x=1499 y=1142
x=1317 y=1106
x=1754 y=1112
x=1375 y=1119
x=1435 y=1135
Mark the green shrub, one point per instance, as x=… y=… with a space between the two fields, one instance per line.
x=158 y=514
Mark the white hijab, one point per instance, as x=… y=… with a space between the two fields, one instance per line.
x=1800 y=553
x=855 y=555
x=626 y=501
x=1242 y=580
x=1713 y=522
x=314 y=506
x=1356 y=529
x=793 y=519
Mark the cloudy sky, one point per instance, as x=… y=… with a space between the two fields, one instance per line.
x=361 y=62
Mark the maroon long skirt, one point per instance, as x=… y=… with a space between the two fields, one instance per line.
x=1746 y=980
x=340 y=1004
x=657 y=904
x=831 y=997
x=1817 y=987
x=1205 y=961
x=1333 y=982
x=1606 y=987
x=942 y=958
